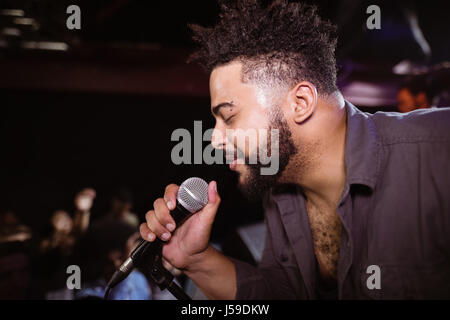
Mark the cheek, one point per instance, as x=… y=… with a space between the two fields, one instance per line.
x=248 y=141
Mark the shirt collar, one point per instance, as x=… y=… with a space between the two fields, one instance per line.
x=361 y=148
x=361 y=152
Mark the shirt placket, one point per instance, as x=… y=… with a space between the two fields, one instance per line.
x=344 y=210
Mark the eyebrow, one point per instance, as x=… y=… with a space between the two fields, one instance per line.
x=215 y=109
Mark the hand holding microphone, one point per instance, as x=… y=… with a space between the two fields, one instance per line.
x=194 y=202
x=191 y=238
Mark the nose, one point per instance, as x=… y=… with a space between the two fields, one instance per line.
x=218 y=139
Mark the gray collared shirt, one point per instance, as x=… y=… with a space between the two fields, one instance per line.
x=395 y=213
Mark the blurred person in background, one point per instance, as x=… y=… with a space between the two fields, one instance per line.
x=414 y=94
x=11 y=229
x=83 y=203
x=120 y=209
x=102 y=250
x=53 y=257
x=61 y=237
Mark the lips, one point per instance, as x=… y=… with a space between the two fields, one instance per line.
x=231 y=159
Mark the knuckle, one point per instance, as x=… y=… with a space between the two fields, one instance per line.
x=159 y=203
x=170 y=189
x=155 y=226
x=142 y=228
x=162 y=213
x=148 y=215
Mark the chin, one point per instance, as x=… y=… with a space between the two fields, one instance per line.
x=242 y=172
x=252 y=185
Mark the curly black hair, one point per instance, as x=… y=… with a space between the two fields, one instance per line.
x=284 y=41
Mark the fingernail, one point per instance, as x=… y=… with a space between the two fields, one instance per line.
x=151 y=236
x=170 y=227
x=170 y=205
x=165 y=236
x=215 y=186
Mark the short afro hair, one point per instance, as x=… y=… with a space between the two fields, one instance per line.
x=284 y=41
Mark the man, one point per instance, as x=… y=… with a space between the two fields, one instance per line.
x=359 y=207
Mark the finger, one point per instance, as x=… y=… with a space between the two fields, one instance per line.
x=208 y=213
x=170 y=196
x=163 y=214
x=156 y=227
x=146 y=233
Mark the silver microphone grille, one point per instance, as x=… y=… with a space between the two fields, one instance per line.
x=193 y=194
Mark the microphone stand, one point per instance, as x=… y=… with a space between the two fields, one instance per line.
x=153 y=268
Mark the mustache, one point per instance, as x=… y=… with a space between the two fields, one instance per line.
x=237 y=154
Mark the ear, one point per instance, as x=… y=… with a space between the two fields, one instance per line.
x=302 y=101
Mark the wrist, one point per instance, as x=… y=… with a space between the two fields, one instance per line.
x=198 y=261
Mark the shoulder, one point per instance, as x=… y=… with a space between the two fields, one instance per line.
x=425 y=125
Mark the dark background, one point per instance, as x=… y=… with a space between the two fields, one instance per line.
x=69 y=141
x=101 y=113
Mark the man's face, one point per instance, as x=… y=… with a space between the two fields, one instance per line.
x=243 y=108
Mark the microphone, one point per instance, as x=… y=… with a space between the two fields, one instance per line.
x=192 y=197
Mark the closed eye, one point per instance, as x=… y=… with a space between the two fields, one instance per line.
x=228 y=120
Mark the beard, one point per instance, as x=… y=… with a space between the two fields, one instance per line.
x=254 y=185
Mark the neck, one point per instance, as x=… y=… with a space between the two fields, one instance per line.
x=323 y=180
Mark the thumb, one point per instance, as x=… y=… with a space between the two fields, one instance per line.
x=210 y=210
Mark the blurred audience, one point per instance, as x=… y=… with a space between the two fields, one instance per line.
x=55 y=250
x=102 y=250
x=120 y=209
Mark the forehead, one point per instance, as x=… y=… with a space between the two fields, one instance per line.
x=225 y=84
x=225 y=74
